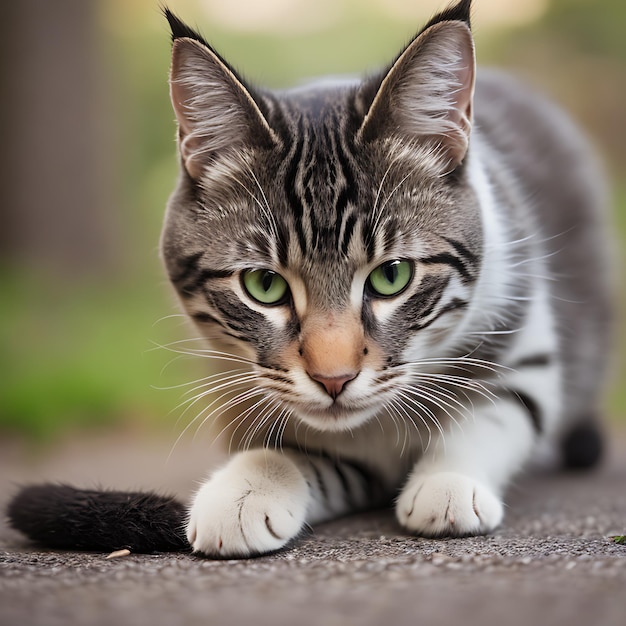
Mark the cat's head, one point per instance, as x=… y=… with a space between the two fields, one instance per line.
x=329 y=234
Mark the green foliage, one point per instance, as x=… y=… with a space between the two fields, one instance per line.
x=82 y=357
x=597 y=27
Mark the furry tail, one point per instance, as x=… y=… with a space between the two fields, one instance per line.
x=582 y=446
x=60 y=516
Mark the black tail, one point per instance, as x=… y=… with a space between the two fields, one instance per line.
x=60 y=516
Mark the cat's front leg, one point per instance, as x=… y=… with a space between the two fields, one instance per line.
x=256 y=504
x=262 y=499
x=456 y=488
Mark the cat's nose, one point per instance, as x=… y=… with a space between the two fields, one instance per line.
x=334 y=385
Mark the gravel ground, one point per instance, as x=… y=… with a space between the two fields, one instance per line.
x=552 y=562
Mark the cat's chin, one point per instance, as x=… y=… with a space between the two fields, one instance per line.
x=335 y=418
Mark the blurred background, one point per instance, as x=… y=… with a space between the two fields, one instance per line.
x=88 y=160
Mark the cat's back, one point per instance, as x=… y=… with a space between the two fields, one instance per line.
x=543 y=148
x=530 y=143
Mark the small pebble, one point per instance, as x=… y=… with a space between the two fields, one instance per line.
x=116 y=554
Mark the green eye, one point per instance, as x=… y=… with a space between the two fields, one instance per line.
x=390 y=278
x=265 y=286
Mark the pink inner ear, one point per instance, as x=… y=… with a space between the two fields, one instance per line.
x=188 y=143
x=189 y=150
x=462 y=97
x=180 y=95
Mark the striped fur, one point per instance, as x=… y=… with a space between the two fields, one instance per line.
x=336 y=398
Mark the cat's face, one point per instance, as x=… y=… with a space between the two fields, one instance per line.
x=328 y=236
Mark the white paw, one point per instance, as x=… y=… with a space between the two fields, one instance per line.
x=448 y=504
x=254 y=505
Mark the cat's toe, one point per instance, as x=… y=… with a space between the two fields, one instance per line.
x=448 y=504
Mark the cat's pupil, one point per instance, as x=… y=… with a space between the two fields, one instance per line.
x=267 y=280
x=390 y=271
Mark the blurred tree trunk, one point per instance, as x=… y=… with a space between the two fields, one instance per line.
x=55 y=194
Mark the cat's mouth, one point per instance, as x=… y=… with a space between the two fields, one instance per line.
x=336 y=417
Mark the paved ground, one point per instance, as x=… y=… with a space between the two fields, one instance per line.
x=551 y=563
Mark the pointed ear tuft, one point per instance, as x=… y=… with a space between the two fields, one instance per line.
x=180 y=29
x=216 y=113
x=427 y=94
x=459 y=12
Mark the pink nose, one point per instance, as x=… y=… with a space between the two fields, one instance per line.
x=334 y=385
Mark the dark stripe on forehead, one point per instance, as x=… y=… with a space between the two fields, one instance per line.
x=283 y=237
x=390 y=235
x=348 y=193
x=328 y=156
x=291 y=176
x=350 y=223
x=320 y=240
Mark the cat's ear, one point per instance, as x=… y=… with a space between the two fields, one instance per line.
x=427 y=94
x=215 y=111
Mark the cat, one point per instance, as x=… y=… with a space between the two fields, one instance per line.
x=404 y=281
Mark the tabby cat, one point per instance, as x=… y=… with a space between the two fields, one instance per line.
x=403 y=280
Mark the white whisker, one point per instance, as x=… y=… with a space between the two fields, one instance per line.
x=398 y=407
x=180 y=316
x=203 y=380
x=221 y=408
x=482 y=333
x=422 y=407
x=399 y=403
x=266 y=209
x=428 y=396
x=388 y=198
x=241 y=417
x=234 y=382
x=202 y=352
x=469 y=384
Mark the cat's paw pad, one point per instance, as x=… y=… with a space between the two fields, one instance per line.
x=448 y=504
x=250 y=507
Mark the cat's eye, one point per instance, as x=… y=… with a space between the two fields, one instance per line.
x=390 y=278
x=265 y=286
